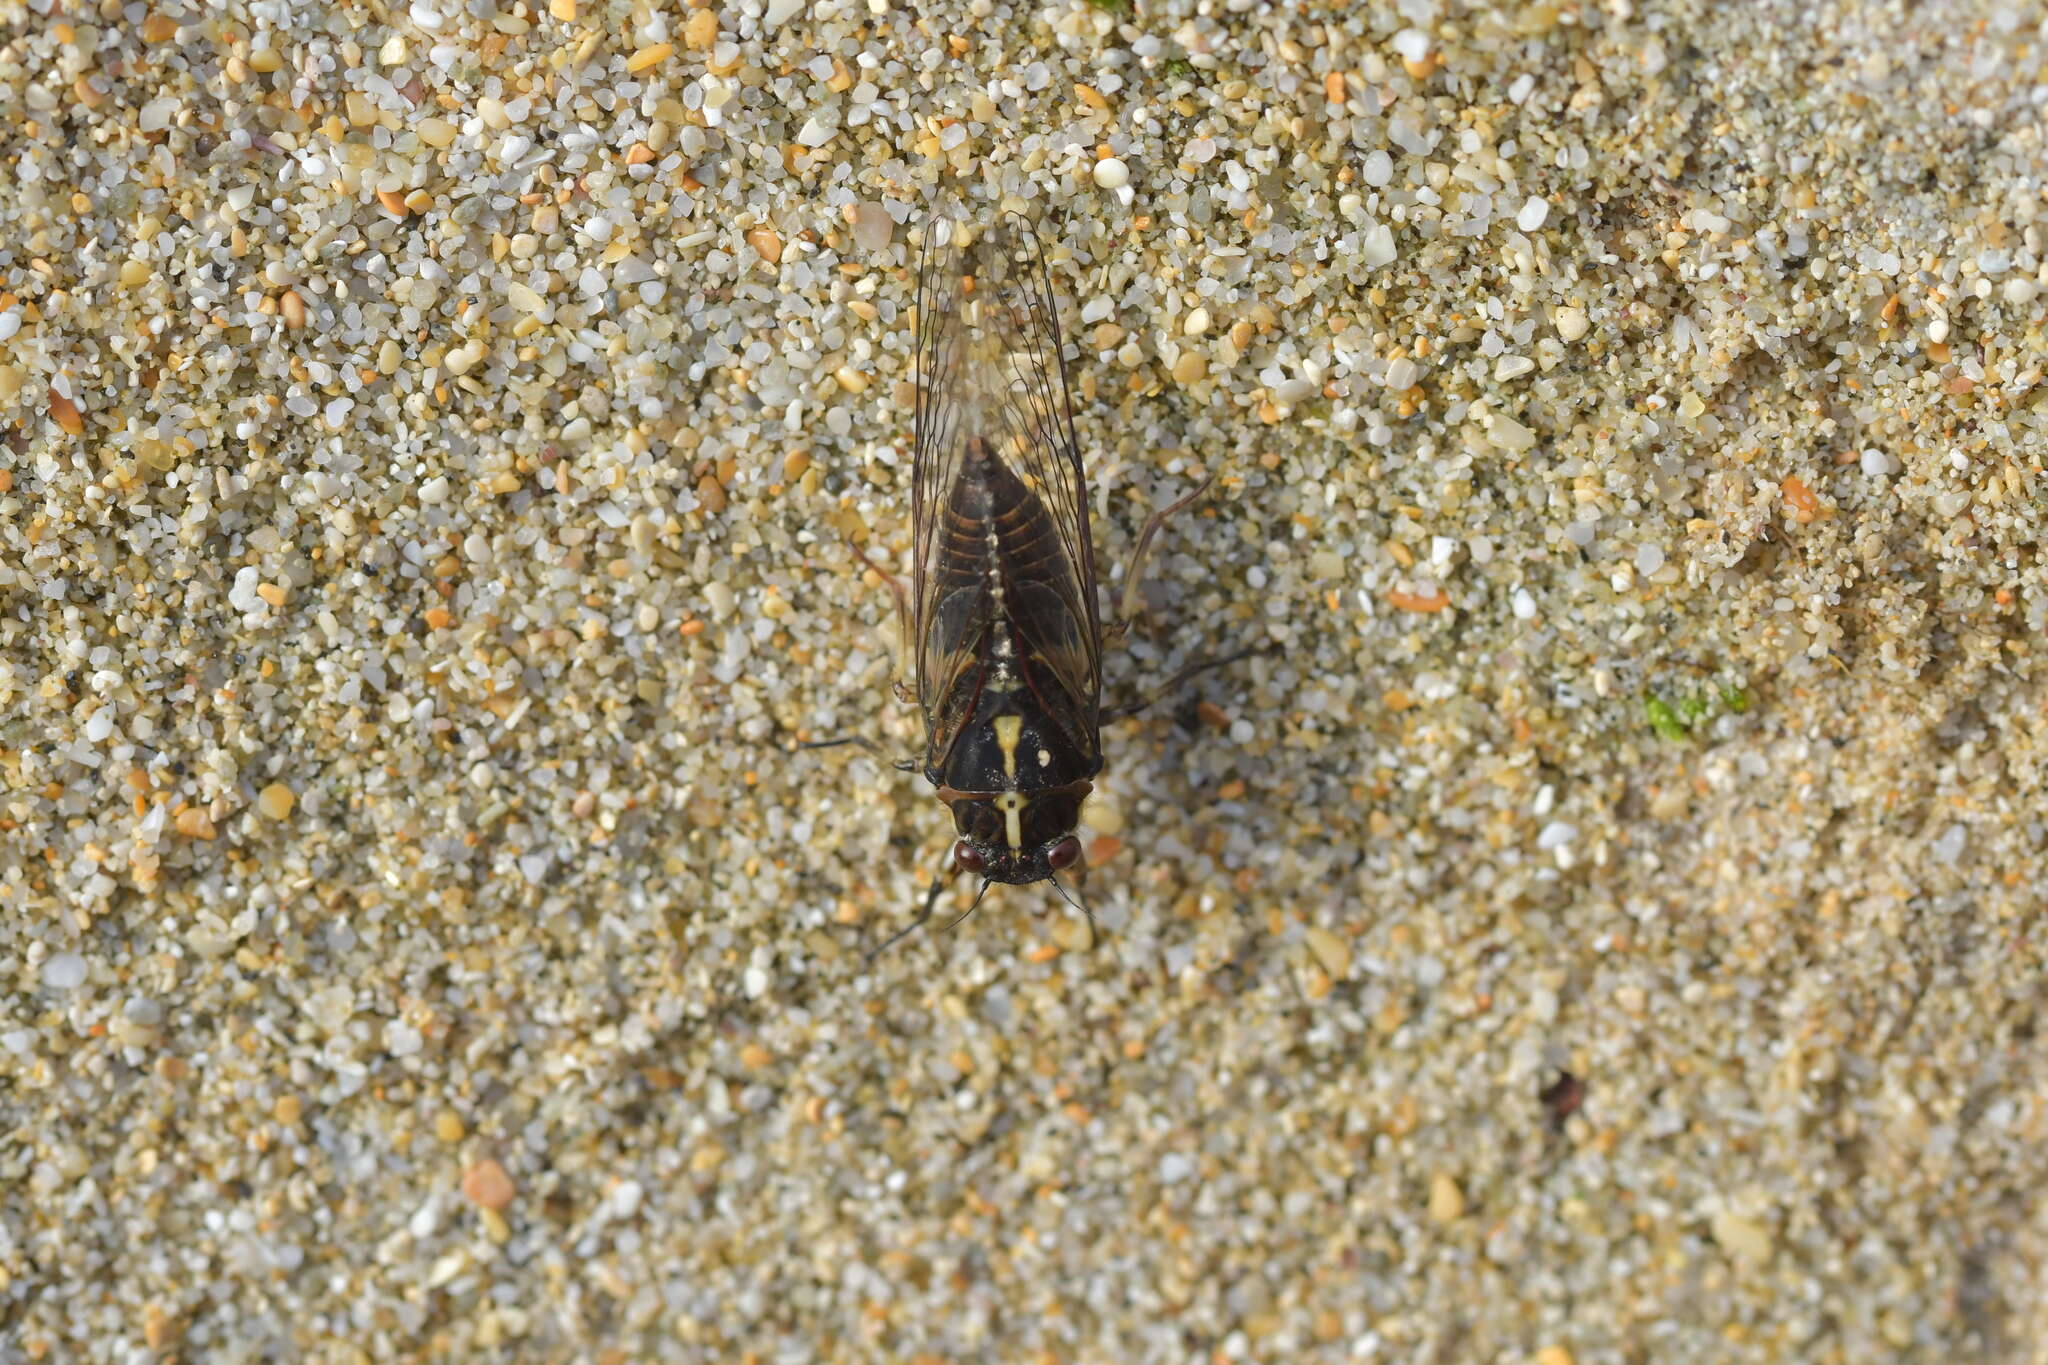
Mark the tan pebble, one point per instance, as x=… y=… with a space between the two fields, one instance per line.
x=701 y=32
x=1446 y=1200
x=767 y=244
x=393 y=202
x=276 y=801
x=294 y=309
x=1571 y=323
x=159 y=1329
x=564 y=10
x=707 y=1158
x=753 y=1056
x=194 y=823
x=652 y=55
x=134 y=272
x=711 y=493
x=1333 y=952
x=287 y=1109
x=486 y=1185
x=159 y=28
x=1103 y=812
x=1554 y=1355
x=435 y=132
x=66 y=414
x=850 y=379
x=794 y=464
x=266 y=60
x=1745 y=1239
x=1074 y=933
x=273 y=593
x=448 y=1126
x=1190 y=368
x=495 y=1226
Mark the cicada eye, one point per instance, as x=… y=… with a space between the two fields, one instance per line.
x=969 y=857
x=1065 y=853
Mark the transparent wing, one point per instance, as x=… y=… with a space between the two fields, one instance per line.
x=938 y=449
x=995 y=455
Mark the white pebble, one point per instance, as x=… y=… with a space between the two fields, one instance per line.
x=100 y=725
x=1556 y=834
x=1112 y=174
x=1377 y=169
x=1534 y=212
x=1649 y=559
x=1411 y=44
x=1402 y=373
x=1512 y=367
x=1377 y=246
x=2021 y=291
x=64 y=972
x=872 y=227
x=778 y=13
x=1571 y=323
x=1876 y=463
x=1524 y=605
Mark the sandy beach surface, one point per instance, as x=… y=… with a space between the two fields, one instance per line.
x=1602 y=926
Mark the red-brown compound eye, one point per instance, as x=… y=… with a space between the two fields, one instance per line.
x=1065 y=853
x=968 y=857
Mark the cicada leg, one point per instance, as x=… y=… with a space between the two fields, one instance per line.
x=904 y=765
x=1176 y=682
x=895 y=586
x=1134 y=569
x=931 y=902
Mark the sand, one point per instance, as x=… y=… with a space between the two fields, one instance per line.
x=1602 y=926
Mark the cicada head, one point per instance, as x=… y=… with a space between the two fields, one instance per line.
x=1015 y=837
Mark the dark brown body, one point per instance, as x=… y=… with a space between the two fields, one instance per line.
x=1005 y=631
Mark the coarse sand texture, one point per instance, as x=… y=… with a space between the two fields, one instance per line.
x=1602 y=924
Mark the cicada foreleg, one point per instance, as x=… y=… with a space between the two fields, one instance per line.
x=901 y=765
x=895 y=586
x=1134 y=568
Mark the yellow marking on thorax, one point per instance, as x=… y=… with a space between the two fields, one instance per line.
x=1009 y=730
x=1011 y=804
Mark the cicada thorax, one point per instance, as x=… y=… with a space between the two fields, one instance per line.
x=1015 y=742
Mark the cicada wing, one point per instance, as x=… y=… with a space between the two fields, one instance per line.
x=950 y=610
x=1032 y=429
x=998 y=481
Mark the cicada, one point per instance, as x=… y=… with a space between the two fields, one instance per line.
x=1001 y=622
